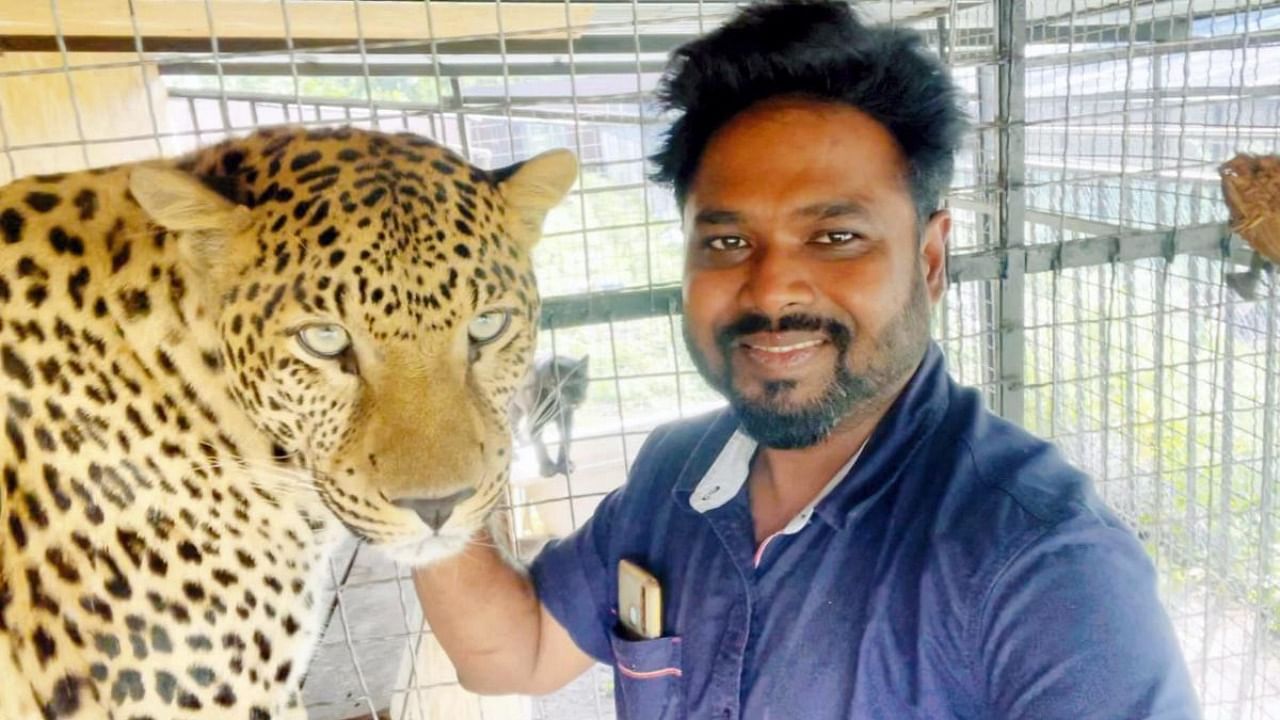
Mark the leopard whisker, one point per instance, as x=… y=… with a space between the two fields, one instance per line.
x=266 y=476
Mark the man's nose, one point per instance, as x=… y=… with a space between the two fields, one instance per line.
x=435 y=512
x=778 y=281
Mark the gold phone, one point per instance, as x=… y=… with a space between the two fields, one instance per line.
x=639 y=601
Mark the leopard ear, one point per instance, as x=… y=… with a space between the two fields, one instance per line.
x=533 y=187
x=179 y=202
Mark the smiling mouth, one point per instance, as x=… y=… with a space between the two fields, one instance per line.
x=783 y=349
x=772 y=357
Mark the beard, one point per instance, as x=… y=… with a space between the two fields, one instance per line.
x=774 y=421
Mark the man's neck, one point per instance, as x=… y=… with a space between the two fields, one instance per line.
x=782 y=482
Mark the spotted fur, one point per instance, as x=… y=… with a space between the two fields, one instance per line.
x=175 y=463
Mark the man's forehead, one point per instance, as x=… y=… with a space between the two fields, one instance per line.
x=804 y=197
x=803 y=122
x=816 y=154
x=820 y=210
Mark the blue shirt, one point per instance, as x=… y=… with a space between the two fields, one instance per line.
x=960 y=569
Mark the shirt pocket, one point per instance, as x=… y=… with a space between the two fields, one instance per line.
x=649 y=678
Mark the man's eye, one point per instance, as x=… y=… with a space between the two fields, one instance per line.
x=726 y=242
x=838 y=237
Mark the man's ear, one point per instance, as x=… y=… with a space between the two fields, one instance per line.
x=933 y=253
x=534 y=186
x=204 y=220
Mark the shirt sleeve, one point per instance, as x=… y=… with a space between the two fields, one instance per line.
x=1073 y=628
x=570 y=578
x=573 y=576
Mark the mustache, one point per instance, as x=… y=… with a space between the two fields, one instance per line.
x=750 y=323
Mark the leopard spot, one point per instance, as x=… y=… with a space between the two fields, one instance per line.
x=11 y=224
x=42 y=202
x=65 y=698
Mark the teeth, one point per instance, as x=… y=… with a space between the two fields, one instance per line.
x=780 y=349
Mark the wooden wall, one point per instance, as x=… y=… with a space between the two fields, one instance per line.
x=36 y=109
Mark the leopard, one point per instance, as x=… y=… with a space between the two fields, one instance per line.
x=217 y=366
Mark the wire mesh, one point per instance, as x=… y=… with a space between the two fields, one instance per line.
x=1178 y=429
x=1132 y=353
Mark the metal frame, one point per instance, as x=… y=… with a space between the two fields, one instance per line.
x=1011 y=37
x=996 y=331
x=415 y=69
x=1212 y=241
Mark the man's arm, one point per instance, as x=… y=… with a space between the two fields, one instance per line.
x=490 y=622
x=1073 y=629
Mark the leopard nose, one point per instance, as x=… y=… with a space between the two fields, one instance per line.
x=435 y=512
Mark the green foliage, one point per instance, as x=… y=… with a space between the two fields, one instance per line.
x=1185 y=428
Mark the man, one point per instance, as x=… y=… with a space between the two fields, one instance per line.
x=856 y=536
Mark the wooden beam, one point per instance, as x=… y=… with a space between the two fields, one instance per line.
x=520 y=45
x=23 y=22
x=83 y=113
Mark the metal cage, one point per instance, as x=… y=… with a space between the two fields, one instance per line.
x=1088 y=297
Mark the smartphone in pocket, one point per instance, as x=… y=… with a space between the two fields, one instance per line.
x=639 y=601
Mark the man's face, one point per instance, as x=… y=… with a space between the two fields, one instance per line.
x=807 y=285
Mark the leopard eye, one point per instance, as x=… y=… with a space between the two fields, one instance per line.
x=324 y=340
x=487 y=327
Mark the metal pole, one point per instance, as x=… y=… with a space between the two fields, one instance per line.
x=1011 y=34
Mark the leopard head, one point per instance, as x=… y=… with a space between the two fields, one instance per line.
x=373 y=305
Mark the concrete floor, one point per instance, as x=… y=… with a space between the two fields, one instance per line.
x=356 y=663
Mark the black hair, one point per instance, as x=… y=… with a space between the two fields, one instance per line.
x=823 y=51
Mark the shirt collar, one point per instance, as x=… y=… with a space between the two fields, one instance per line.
x=718 y=466
x=905 y=428
x=726 y=476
